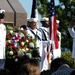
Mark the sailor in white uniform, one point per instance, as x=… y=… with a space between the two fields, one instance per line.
x=45 y=60
x=2 y=39
x=57 y=52
x=35 y=33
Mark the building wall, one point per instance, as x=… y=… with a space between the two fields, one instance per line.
x=9 y=17
x=20 y=19
x=15 y=13
x=20 y=13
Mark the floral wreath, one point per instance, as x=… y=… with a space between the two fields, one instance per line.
x=19 y=44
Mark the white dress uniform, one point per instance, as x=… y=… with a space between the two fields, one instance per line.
x=72 y=33
x=57 y=52
x=2 y=45
x=46 y=47
x=38 y=42
x=32 y=33
x=45 y=33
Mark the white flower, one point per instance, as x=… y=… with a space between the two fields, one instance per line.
x=19 y=49
x=27 y=49
x=11 y=31
x=9 y=41
x=16 y=60
x=27 y=40
x=31 y=44
x=20 y=53
x=22 y=29
x=22 y=43
x=23 y=50
x=11 y=53
x=29 y=55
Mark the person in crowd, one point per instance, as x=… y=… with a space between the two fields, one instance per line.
x=2 y=39
x=60 y=66
x=46 y=72
x=20 y=73
x=45 y=60
x=34 y=32
x=72 y=33
x=45 y=28
x=57 y=52
x=30 y=67
x=23 y=26
x=73 y=72
x=4 y=72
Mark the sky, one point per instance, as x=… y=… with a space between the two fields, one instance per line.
x=27 y=4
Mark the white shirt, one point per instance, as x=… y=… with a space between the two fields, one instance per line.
x=45 y=31
x=38 y=42
x=2 y=41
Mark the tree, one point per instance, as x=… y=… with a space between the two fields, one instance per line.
x=43 y=6
x=65 y=12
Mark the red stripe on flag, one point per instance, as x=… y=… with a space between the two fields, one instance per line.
x=53 y=32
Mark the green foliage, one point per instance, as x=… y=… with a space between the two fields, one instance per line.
x=43 y=6
x=65 y=12
x=68 y=56
x=19 y=44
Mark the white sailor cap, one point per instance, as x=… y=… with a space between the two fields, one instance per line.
x=57 y=21
x=28 y=19
x=2 y=11
x=45 y=19
x=33 y=20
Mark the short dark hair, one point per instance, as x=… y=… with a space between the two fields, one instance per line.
x=23 y=26
x=56 y=63
x=2 y=15
x=4 y=72
x=31 y=67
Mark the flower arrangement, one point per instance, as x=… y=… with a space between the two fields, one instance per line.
x=19 y=44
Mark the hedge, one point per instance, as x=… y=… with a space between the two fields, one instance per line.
x=68 y=56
